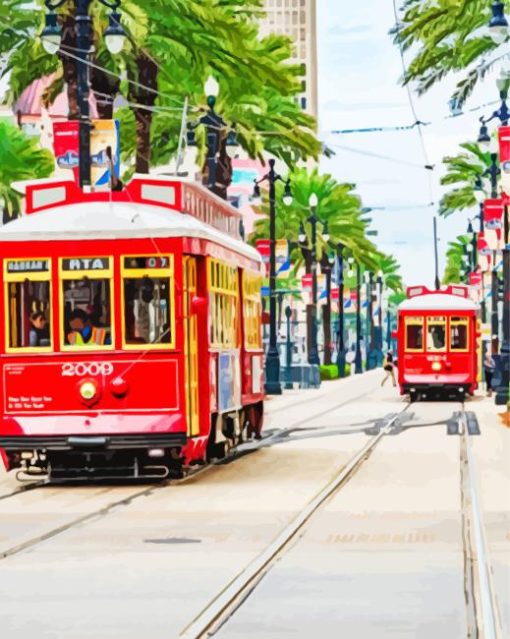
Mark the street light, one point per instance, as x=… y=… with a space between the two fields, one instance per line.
x=341 y=316
x=51 y=37
x=273 y=386
x=358 y=365
x=498 y=25
x=221 y=142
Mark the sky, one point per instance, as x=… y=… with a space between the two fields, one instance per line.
x=359 y=72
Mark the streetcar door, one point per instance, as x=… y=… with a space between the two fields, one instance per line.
x=191 y=345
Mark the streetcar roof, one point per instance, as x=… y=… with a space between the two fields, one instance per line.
x=438 y=301
x=116 y=220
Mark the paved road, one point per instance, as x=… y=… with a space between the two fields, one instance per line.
x=382 y=559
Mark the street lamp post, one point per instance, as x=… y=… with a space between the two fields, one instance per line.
x=358 y=365
x=51 y=39
x=369 y=331
x=502 y=390
x=273 y=386
x=494 y=306
x=288 y=355
x=341 y=317
x=326 y=268
x=313 y=356
x=221 y=143
x=379 y=327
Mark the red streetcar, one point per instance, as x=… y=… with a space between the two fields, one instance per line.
x=132 y=330
x=438 y=342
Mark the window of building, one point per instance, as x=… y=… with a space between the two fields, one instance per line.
x=147 y=301
x=459 y=334
x=414 y=333
x=86 y=302
x=28 y=305
x=223 y=305
x=252 y=310
x=436 y=334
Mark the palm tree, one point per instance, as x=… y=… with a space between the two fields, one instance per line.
x=454 y=257
x=171 y=49
x=446 y=37
x=463 y=171
x=20 y=159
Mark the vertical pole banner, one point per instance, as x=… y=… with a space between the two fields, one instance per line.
x=322 y=293
x=484 y=252
x=493 y=222
x=504 y=157
x=306 y=285
x=264 y=248
x=282 y=258
x=104 y=134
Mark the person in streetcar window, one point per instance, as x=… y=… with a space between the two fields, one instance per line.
x=436 y=337
x=39 y=334
x=83 y=332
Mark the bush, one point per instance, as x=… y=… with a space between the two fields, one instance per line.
x=329 y=372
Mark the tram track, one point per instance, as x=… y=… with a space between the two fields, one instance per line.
x=218 y=611
x=483 y=619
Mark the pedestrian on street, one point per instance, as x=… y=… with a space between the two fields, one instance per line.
x=488 y=366
x=389 y=367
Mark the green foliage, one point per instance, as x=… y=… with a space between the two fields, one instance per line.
x=20 y=159
x=329 y=371
x=454 y=253
x=446 y=36
x=463 y=170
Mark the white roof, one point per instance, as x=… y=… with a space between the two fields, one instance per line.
x=115 y=220
x=437 y=301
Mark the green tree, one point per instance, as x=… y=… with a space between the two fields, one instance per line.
x=20 y=159
x=454 y=259
x=463 y=171
x=445 y=37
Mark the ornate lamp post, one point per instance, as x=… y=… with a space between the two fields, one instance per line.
x=358 y=364
x=327 y=263
x=51 y=37
x=369 y=331
x=313 y=355
x=379 y=328
x=273 y=386
x=341 y=316
x=221 y=143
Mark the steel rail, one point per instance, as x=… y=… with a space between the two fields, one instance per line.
x=219 y=609
x=487 y=617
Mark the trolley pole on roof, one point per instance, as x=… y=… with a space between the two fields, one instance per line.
x=52 y=38
x=437 y=281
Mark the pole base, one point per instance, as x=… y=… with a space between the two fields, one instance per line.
x=272 y=385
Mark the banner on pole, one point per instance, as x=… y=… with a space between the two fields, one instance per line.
x=282 y=255
x=484 y=253
x=264 y=248
x=493 y=211
x=504 y=157
x=103 y=134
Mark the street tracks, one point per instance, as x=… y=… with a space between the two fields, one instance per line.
x=224 y=605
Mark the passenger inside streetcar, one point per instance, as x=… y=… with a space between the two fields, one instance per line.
x=39 y=334
x=436 y=337
x=147 y=310
x=83 y=332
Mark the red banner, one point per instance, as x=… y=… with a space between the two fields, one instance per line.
x=264 y=248
x=475 y=279
x=504 y=157
x=493 y=211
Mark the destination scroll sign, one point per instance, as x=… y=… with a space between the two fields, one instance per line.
x=28 y=266
x=86 y=264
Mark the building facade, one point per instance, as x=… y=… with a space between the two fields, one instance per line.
x=297 y=19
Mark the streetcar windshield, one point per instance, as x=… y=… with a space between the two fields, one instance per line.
x=414 y=333
x=147 y=301
x=28 y=307
x=436 y=334
x=86 y=294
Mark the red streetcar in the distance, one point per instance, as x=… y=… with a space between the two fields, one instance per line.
x=131 y=342
x=438 y=342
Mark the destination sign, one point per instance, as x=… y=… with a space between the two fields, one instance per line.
x=86 y=264
x=28 y=266
x=151 y=261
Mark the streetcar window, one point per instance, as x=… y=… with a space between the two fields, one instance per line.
x=87 y=312
x=147 y=318
x=436 y=334
x=458 y=334
x=414 y=334
x=223 y=305
x=29 y=315
x=252 y=310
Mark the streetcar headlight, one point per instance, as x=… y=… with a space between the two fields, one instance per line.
x=88 y=391
x=436 y=366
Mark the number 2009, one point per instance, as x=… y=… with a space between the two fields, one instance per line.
x=94 y=369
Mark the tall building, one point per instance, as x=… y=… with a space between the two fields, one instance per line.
x=297 y=19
